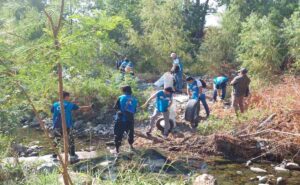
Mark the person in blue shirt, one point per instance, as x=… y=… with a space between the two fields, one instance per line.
x=196 y=91
x=126 y=67
x=178 y=71
x=126 y=106
x=220 y=84
x=163 y=103
x=57 y=123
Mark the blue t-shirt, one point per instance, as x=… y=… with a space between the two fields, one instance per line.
x=127 y=103
x=69 y=107
x=193 y=87
x=126 y=63
x=220 y=80
x=179 y=64
x=163 y=101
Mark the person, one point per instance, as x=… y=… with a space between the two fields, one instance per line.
x=220 y=84
x=177 y=69
x=126 y=107
x=57 y=123
x=196 y=91
x=163 y=103
x=126 y=67
x=240 y=90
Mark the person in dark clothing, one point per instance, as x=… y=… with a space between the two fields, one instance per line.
x=220 y=84
x=240 y=90
x=57 y=123
x=177 y=69
x=126 y=106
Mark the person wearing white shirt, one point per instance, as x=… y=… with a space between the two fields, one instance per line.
x=196 y=91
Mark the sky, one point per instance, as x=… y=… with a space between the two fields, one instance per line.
x=214 y=19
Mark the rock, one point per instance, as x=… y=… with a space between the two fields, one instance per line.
x=262 y=184
x=257 y=170
x=47 y=168
x=248 y=163
x=105 y=163
x=205 y=179
x=78 y=124
x=25 y=126
x=263 y=179
x=33 y=154
x=292 y=166
x=79 y=178
x=19 y=148
x=239 y=172
x=153 y=160
x=280 y=181
x=281 y=170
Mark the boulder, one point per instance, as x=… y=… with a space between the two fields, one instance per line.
x=280 y=181
x=205 y=179
x=292 y=166
x=258 y=170
x=262 y=179
x=47 y=167
x=281 y=170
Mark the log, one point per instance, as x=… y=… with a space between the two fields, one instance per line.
x=149 y=137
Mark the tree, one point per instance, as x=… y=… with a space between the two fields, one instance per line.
x=258 y=49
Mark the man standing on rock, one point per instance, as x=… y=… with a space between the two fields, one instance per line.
x=195 y=91
x=240 y=90
x=57 y=124
x=177 y=69
x=163 y=103
x=126 y=106
x=220 y=84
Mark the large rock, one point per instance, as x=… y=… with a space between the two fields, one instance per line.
x=280 y=181
x=258 y=170
x=292 y=166
x=281 y=170
x=47 y=167
x=153 y=160
x=205 y=179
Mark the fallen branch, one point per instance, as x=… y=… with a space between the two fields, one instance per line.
x=270 y=118
x=156 y=139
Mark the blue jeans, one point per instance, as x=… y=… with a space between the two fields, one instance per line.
x=179 y=83
x=202 y=98
x=223 y=89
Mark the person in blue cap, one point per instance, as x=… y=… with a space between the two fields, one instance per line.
x=220 y=84
x=164 y=100
x=57 y=123
x=177 y=69
x=196 y=91
x=126 y=107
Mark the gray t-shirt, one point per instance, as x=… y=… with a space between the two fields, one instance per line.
x=240 y=85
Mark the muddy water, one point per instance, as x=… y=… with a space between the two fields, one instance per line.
x=227 y=172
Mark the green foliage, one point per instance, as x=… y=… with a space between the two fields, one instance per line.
x=163 y=32
x=258 y=47
x=292 y=35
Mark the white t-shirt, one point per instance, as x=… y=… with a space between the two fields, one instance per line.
x=199 y=84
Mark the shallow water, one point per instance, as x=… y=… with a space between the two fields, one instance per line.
x=227 y=172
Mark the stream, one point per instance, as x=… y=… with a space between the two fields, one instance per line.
x=225 y=171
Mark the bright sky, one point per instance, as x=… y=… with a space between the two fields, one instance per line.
x=214 y=19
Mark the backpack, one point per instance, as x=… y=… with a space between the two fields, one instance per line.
x=203 y=83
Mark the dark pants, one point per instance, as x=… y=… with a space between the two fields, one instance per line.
x=119 y=129
x=179 y=82
x=58 y=135
x=202 y=99
x=221 y=87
